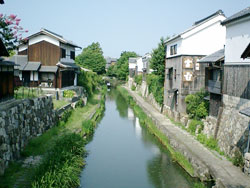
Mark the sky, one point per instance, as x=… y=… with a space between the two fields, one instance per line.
x=118 y=25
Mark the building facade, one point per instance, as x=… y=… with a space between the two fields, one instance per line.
x=184 y=75
x=50 y=60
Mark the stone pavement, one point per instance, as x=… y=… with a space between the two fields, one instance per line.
x=205 y=162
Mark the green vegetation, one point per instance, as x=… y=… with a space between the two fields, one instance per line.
x=238 y=159
x=59 y=103
x=89 y=81
x=199 y=185
x=92 y=58
x=156 y=87
x=211 y=143
x=133 y=88
x=62 y=164
x=145 y=120
x=62 y=148
x=193 y=126
x=26 y=92
x=120 y=69
x=197 y=106
x=157 y=62
x=138 y=79
x=69 y=93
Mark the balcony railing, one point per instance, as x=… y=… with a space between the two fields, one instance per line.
x=214 y=87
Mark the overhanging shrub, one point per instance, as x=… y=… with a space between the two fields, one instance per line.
x=196 y=106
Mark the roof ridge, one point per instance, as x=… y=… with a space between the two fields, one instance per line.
x=219 y=12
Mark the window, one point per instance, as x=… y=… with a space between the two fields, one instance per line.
x=173 y=49
x=63 y=53
x=72 y=55
x=170 y=73
x=175 y=74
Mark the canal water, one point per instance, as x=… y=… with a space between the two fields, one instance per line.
x=122 y=154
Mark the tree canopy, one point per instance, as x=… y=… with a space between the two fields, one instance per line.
x=157 y=62
x=92 y=58
x=11 y=31
x=120 y=69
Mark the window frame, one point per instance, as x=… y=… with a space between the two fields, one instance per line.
x=63 y=53
x=173 y=49
x=72 y=55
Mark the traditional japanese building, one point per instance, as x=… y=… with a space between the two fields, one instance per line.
x=50 y=60
x=184 y=75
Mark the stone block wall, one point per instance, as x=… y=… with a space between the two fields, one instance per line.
x=247 y=164
x=233 y=127
x=21 y=120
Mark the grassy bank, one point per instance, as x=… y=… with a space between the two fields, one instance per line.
x=145 y=120
x=61 y=148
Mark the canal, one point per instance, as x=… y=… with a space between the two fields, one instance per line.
x=122 y=154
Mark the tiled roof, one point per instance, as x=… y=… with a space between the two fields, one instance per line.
x=32 y=66
x=214 y=57
x=196 y=24
x=67 y=65
x=54 y=35
x=243 y=13
x=20 y=60
x=48 y=69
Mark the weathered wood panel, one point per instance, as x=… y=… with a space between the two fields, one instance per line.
x=44 y=52
x=237 y=81
x=214 y=86
x=24 y=52
x=214 y=104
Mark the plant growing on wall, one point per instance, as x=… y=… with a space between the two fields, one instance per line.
x=10 y=31
x=197 y=107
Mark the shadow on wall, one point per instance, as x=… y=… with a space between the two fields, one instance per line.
x=242 y=143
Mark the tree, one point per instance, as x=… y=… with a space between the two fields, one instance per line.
x=10 y=31
x=121 y=67
x=92 y=58
x=157 y=62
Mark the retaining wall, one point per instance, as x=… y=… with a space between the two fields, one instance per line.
x=21 y=120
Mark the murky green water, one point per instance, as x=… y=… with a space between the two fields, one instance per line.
x=122 y=154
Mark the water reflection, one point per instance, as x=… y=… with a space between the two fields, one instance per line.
x=138 y=129
x=125 y=155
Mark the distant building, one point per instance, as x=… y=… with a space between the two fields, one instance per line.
x=132 y=66
x=50 y=60
x=146 y=63
x=184 y=75
x=6 y=75
x=110 y=61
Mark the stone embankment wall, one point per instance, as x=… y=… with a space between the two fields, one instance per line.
x=247 y=164
x=232 y=129
x=21 y=120
x=143 y=91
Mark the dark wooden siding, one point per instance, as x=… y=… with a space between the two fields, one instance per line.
x=67 y=78
x=214 y=104
x=237 y=81
x=24 y=52
x=6 y=85
x=44 y=52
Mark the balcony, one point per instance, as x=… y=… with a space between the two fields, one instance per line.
x=214 y=87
